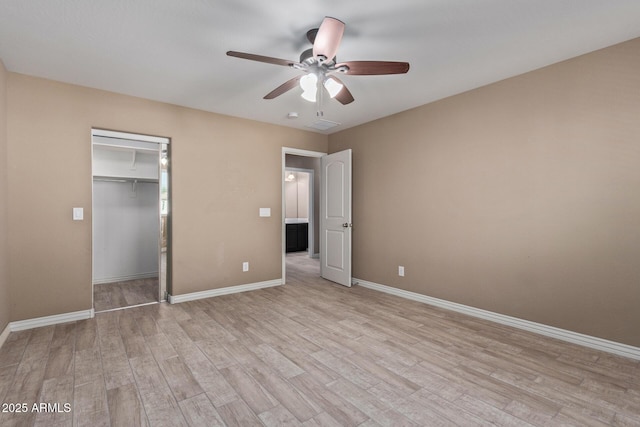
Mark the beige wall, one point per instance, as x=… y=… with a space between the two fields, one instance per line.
x=4 y=275
x=522 y=197
x=223 y=170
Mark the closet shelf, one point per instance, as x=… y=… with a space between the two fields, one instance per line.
x=116 y=178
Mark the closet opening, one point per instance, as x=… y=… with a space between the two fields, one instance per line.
x=131 y=219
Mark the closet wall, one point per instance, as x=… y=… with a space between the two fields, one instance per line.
x=126 y=220
x=126 y=224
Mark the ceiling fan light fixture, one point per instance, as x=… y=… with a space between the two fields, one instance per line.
x=333 y=87
x=320 y=65
x=309 y=85
x=309 y=95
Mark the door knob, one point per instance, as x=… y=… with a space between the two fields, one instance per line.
x=346 y=225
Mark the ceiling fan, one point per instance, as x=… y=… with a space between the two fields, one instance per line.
x=320 y=66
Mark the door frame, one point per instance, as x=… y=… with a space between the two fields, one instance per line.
x=296 y=152
x=163 y=288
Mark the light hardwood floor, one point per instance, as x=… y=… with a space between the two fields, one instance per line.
x=108 y=296
x=309 y=353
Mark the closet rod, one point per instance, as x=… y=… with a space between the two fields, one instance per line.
x=107 y=179
x=126 y=147
x=103 y=133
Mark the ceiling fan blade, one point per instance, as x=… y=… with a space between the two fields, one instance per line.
x=344 y=96
x=328 y=38
x=284 y=87
x=372 y=68
x=260 y=58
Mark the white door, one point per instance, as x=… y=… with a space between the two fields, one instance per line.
x=335 y=218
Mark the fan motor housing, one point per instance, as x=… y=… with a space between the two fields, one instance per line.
x=307 y=56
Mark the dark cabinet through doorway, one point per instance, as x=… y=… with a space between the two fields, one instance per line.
x=297 y=237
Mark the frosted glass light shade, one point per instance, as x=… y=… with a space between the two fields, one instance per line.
x=309 y=85
x=333 y=87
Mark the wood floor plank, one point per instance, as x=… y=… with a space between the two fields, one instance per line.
x=135 y=346
x=147 y=325
x=287 y=395
x=159 y=403
x=309 y=365
x=12 y=352
x=487 y=412
x=59 y=393
x=200 y=412
x=25 y=389
x=90 y=402
x=218 y=390
x=572 y=417
x=253 y=394
x=346 y=369
x=60 y=362
x=86 y=334
x=117 y=372
x=375 y=409
x=108 y=325
x=7 y=374
x=450 y=411
x=277 y=361
x=238 y=414
x=422 y=414
x=125 y=407
x=160 y=347
x=535 y=414
x=180 y=379
x=195 y=330
x=36 y=351
x=330 y=344
x=64 y=334
x=339 y=410
x=216 y=353
x=279 y=416
x=325 y=420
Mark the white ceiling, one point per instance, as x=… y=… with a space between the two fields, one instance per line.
x=174 y=50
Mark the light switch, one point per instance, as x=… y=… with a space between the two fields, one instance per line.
x=78 y=214
x=265 y=211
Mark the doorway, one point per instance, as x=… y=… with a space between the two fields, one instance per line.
x=300 y=216
x=300 y=207
x=131 y=239
x=334 y=213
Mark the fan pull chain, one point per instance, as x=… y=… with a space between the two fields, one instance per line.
x=320 y=113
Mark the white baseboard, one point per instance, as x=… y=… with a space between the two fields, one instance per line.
x=21 y=325
x=549 y=331
x=5 y=334
x=223 y=291
x=148 y=275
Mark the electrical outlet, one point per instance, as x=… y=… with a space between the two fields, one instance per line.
x=401 y=270
x=245 y=266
